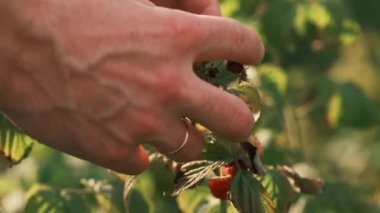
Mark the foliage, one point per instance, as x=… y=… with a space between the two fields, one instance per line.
x=315 y=98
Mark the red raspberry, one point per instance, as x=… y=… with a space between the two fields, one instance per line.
x=229 y=170
x=220 y=187
x=232 y=168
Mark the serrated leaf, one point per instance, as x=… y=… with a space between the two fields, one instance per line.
x=218 y=148
x=192 y=173
x=251 y=97
x=45 y=199
x=14 y=144
x=248 y=195
x=279 y=189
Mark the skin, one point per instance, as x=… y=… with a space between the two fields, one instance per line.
x=97 y=79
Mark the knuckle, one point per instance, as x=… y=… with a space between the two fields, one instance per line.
x=146 y=125
x=238 y=38
x=187 y=31
x=170 y=89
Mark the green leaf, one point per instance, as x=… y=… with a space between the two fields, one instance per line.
x=14 y=144
x=218 y=148
x=217 y=208
x=278 y=22
x=274 y=81
x=319 y=15
x=45 y=199
x=350 y=107
x=192 y=173
x=279 y=189
x=143 y=192
x=138 y=203
x=301 y=19
x=251 y=97
x=248 y=195
x=129 y=182
x=190 y=200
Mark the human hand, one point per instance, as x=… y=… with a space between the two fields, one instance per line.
x=97 y=79
x=205 y=7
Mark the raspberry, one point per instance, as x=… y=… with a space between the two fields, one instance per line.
x=220 y=187
x=232 y=168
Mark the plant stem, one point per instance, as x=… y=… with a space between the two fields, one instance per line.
x=223 y=206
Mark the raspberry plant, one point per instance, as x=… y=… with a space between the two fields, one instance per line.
x=233 y=170
x=318 y=87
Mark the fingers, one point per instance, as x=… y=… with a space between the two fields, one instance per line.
x=227 y=39
x=219 y=111
x=205 y=7
x=181 y=142
x=132 y=162
x=115 y=155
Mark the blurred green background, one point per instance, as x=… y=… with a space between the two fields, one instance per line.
x=320 y=82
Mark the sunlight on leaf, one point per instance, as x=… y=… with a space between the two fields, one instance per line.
x=14 y=144
x=279 y=188
x=229 y=8
x=300 y=19
x=274 y=82
x=251 y=97
x=334 y=110
x=319 y=15
x=43 y=199
x=350 y=32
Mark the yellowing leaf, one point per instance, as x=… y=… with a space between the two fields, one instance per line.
x=334 y=110
x=14 y=144
x=251 y=97
x=319 y=15
x=275 y=75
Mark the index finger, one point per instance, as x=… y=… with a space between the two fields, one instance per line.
x=223 y=38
